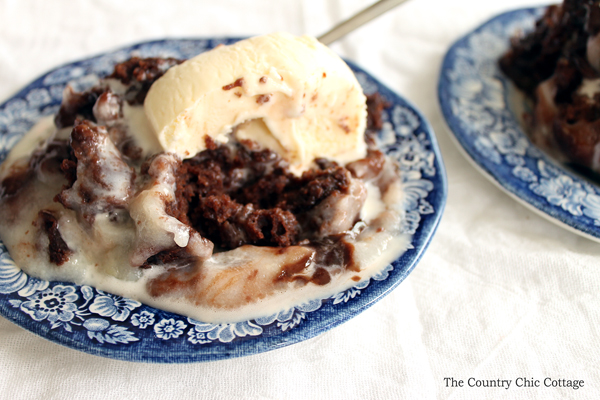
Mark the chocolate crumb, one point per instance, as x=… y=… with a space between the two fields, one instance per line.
x=140 y=73
x=376 y=103
x=58 y=250
x=263 y=98
x=344 y=127
x=238 y=83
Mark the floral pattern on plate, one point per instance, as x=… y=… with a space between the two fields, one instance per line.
x=104 y=324
x=476 y=97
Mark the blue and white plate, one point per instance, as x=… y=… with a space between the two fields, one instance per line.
x=103 y=324
x=476 y=97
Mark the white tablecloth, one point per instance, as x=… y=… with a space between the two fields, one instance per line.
x=501 y=293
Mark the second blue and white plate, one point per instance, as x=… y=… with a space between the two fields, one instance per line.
x=475 y=98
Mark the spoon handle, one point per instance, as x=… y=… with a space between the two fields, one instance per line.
x=358 y=20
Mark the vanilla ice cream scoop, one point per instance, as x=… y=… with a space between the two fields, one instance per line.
x=291 y=94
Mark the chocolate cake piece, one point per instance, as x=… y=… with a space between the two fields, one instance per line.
x=557 y=65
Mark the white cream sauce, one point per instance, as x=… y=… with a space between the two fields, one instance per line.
x=101 y=253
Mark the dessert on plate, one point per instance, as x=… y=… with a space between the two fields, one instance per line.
x=557 y=66
x=225 y=187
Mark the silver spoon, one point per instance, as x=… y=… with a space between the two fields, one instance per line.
x=358 y=20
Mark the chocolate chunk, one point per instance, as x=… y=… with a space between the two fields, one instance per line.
x=58 y=251
x=375 y=106
x=49 y=160
x=13 y=183
x=368 y=167
x=140 y=73
x=77 y=105
x=104 y=180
